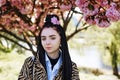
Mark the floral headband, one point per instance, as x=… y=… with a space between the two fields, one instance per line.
x=55 y=21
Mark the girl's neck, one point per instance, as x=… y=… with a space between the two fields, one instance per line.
x=53 y=55
x=54 y=61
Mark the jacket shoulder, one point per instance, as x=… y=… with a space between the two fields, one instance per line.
x=29 y=60
x=74 y=64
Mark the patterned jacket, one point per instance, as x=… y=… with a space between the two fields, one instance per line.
x=32 y=69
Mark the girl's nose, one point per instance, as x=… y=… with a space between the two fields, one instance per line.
x=47 y=41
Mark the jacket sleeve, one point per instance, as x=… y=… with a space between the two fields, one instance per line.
x=25 y=70
x=75 y=72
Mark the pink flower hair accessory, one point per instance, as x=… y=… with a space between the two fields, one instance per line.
x=54 y=20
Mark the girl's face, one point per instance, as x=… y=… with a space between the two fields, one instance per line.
x=50 y=40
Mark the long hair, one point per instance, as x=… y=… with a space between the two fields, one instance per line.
x=67 y=63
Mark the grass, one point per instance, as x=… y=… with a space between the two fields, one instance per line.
x=10 y=65
x=84 y=76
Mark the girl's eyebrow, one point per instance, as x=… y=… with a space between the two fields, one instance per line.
x=49 y=36
x=52 y=35
x=42 y=36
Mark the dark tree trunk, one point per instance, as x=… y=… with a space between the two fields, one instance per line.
x=114 y=65
x=114 y=55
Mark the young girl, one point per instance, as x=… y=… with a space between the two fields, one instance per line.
x=52 y=61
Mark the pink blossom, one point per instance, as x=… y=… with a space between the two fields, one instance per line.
x=103 y=24
x=102 y=21
x=26 y=10
x=87 y=8
x=102 y=3
x=2 y=2
x=112 y=13
x=65 y=7
x=80 y=2
x=32 y=28
x=89 y=19
x=91 y=12
x=20 y=31
x=25 y=6
x=55 y=21
x=16 y=3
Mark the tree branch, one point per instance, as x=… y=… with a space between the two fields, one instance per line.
x=66 y=21
x=78 y=22
x=12 y=34
x=28 y=42
x=75 y=32
x=77 y=12
x=22 y=16
x=14 y=42
x=62 y=17
x=8 y=8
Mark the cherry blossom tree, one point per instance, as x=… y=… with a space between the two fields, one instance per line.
x=100 y=12
x=21 y=20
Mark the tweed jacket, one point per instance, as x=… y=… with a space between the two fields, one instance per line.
x=32 y=69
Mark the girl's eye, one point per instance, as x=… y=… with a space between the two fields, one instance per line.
x=53 y=38
x=43 y=39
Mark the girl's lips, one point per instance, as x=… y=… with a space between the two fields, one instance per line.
x=48 y=48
